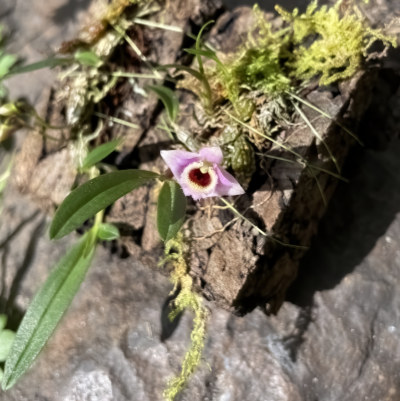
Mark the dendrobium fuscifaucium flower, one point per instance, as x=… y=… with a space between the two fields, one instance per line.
x=200 y=174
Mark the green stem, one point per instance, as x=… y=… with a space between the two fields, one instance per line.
x=153 y=24
x=117 y=120
x=258 y=229
x=301 y=160
x=323 y=113
x=136 y=50
x=317 y=135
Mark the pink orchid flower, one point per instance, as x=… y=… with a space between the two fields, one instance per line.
x=200 y=174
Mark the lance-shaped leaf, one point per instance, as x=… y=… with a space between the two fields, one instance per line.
x=93 y=196
x=171 y=210
x=108 y=232
x=168 y=98
x=50 y=62
x=98 y=154
x=6 y=62
x=47 y=308
x=6 y=340
x=87 y=57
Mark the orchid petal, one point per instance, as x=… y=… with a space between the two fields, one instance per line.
x=177 y=160
x=212 y=154
x=184 y=165
x=227 y=184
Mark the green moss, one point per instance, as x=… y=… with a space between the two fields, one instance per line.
x=260 y=68
x=342 y=39
x=326 y=42
x=187 y=299
x=256 y=66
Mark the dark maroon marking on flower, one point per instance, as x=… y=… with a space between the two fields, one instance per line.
x=199 y=178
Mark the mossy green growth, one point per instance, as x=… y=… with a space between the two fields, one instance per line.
x=257 y=65
x=342 y=39
x=187 y=299
x=326 y=42
x=259 y=68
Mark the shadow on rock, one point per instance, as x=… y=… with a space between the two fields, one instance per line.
x=7 y=303
x=362 y=210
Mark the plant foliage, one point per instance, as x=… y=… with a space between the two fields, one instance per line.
x=171 y=210
x=47 y=308
x=94 y=196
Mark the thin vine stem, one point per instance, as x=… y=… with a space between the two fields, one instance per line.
x=258 y=229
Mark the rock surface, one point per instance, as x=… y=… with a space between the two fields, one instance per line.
x=286 y=199
x=335 y=338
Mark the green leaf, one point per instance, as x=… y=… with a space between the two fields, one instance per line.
x=1 y=374
x=171 y=210
x=50 y=62
x=205 y=53
x=199 y=44
x=6 y=62
x=107 y=232
x=6 y=341
x=168 y=98
x=99 y=153
x=3 y=321
x=46 y=309
x=87 y=57
x=190 y=70
x=93 y=196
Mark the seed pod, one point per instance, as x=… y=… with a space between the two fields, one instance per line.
x=238 y=154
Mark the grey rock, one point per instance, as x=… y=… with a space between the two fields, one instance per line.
x=335 y=338
x=37 y=29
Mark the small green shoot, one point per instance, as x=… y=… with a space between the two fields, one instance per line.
x=88 y=58
x=108 y=232
x=199 y=45
x=100 y=153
